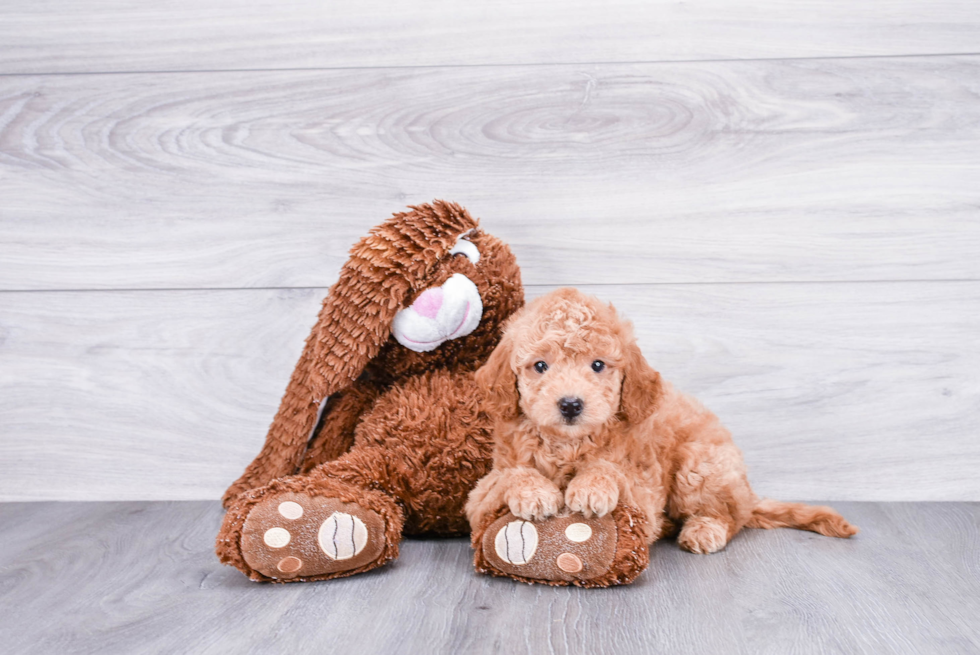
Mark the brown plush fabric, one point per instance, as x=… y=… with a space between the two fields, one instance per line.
x=402 y=434
x=304 y=548
x=614 y=554
x=341 y=414
x=295 y=551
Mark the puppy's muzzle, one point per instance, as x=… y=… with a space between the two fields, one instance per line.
x=570 y=408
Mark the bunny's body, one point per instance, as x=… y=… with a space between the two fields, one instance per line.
x=385 y=387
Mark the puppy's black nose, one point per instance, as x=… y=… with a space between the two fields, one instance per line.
x=570 y=407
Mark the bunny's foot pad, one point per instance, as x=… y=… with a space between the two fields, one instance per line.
x=564 y=550
x=295 y=536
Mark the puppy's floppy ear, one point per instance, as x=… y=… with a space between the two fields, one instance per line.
x=498 y=383
x=642 y=387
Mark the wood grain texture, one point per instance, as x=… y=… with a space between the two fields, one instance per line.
x=837 y=391
x=110 y=35
x=142 y=578
x=700 y=172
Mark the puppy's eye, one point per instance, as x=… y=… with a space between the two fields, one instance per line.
x=598 y=365
x=540 y=367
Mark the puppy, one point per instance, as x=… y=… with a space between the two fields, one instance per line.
x=583 y=423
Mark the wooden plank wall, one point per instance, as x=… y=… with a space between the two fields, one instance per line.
x=43 y=36
x=784 y=200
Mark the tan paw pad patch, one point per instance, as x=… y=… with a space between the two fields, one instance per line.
x=569 y=563
x=290 y=564
x=578 y=532
x=290 y=510
x=342 y=536
x=516 y=543
x=276 y=537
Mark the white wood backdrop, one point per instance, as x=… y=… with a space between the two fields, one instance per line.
x=45 y=36
x=795 y=236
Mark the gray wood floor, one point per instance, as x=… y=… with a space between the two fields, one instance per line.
x=131 y=577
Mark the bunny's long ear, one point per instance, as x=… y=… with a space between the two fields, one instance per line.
x=355 y=321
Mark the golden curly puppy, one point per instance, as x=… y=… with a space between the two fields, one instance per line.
x=583 y=424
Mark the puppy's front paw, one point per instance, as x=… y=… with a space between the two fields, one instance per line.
x=592 y=495
x=534 y=500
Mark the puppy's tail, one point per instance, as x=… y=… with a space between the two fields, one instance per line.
x=770 y=514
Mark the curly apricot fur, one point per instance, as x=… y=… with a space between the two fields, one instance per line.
x=636 y=442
